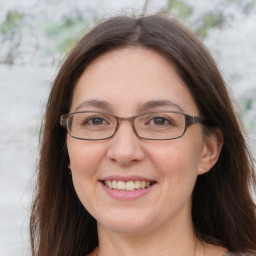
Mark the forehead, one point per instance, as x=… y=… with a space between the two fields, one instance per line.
x=128 y=77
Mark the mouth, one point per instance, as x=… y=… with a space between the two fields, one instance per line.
x=130 y=185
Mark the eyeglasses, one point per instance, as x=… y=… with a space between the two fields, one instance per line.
x=165 y=125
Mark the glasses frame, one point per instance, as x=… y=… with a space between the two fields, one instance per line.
x=189 y=120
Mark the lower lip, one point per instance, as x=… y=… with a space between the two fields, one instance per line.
x=127 y=195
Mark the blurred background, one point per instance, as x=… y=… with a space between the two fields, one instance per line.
x=35 y=36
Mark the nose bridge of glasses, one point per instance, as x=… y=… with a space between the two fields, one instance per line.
x=129 y=119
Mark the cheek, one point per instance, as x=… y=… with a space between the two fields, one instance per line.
x=84 y=156
x=84 y=162
x=177 y=164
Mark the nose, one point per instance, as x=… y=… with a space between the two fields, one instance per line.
x=125 y=146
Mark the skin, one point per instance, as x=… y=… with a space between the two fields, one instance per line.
x=158 y=223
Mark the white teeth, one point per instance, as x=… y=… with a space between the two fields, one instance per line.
x=114 y=184
x=137 y=184
x=129 y=185
x=143 y=184
x=121 y=185
x=109 y=184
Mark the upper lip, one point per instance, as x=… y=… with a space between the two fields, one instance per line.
x=126 y=178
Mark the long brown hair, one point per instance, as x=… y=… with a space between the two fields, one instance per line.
x=223 y=211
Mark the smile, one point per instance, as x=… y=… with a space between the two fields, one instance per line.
x=127 y=186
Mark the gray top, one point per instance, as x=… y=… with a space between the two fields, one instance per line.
x=238 y=254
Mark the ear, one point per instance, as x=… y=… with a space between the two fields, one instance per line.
x=212 y=147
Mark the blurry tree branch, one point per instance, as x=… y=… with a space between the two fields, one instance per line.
x=145 y=7
x=169 y=4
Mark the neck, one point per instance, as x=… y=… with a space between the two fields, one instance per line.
x=178 y=240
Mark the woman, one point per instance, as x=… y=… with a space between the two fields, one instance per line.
x=141 y=151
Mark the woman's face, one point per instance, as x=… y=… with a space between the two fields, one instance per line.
x=128 y=82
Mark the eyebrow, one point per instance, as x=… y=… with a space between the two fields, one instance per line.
x=159 y=103
x=101 y=104
x=104 y=105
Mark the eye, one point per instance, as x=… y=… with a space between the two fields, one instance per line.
x=96 y=120
x=159 y=121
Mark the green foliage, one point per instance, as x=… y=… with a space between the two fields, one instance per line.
x=66 y=31
x=183 y=11
x=13 y=21
x=209 y=21
x=247 y=6
x=179 y=9
x=239 y=2
x=66 y=45
x=247 y=103
x=69 y=23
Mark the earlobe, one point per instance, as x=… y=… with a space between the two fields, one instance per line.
x=211 y=151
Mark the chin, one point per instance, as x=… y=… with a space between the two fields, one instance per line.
x=126 y=228
x=127 y=224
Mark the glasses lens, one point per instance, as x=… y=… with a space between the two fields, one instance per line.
x=162 y=125
x=91 y=125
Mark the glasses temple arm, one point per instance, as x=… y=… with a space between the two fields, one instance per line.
x=63 y=120
x=196 y=119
